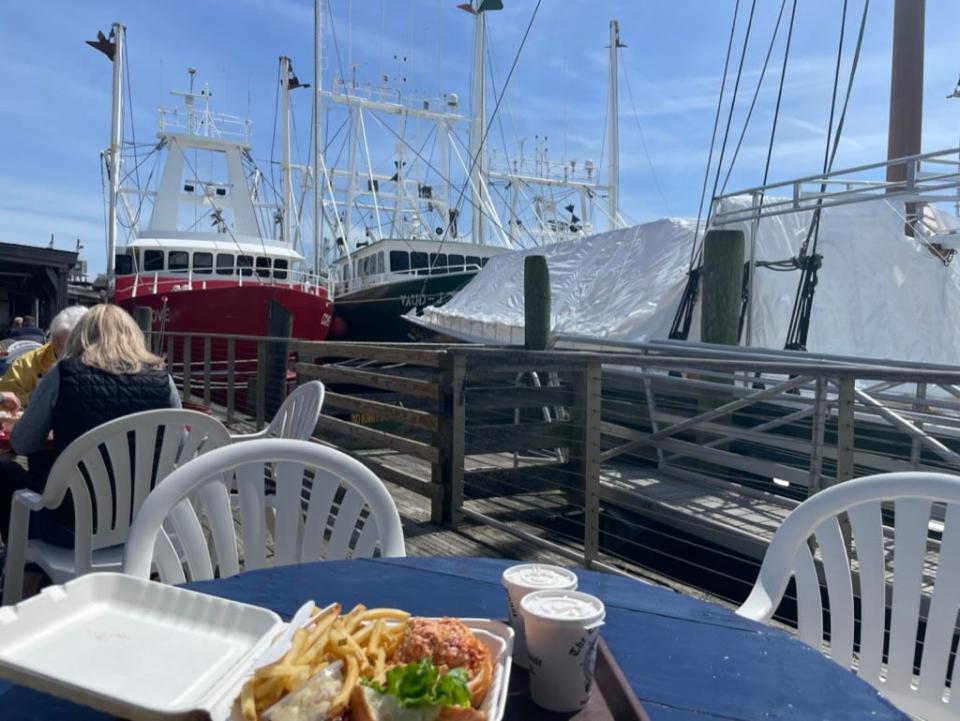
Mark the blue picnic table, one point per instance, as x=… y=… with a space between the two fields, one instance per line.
x=685 y=659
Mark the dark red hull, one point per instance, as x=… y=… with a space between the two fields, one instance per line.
x=225 y=307
x=222 y=308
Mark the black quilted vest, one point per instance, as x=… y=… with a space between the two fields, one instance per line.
x=89 y=397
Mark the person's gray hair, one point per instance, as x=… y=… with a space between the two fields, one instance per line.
x=67 y=318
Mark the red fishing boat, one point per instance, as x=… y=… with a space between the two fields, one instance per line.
x=204 y=263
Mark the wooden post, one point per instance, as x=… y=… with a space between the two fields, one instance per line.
x=274 y=372
x=815 y=482
x=143 y=317
x=187 y=370
x=206 y=370
x=722 y=287
x=906 y=92
x=451 y=436
x=587 y=455
x=231 y=378
x=260 y=387
x=536 y=302
x=845 y=437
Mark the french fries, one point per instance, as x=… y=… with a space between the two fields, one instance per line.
x=362 y=639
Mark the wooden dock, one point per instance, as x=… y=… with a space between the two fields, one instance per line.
x=675 y=469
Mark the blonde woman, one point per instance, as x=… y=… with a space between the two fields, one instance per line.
x=106 y=372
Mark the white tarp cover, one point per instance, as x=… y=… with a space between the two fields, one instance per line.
x=880 y=293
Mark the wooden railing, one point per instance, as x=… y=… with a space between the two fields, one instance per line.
x=552 y=431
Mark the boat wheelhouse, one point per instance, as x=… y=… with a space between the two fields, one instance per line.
x=213 y=258
x=381 y=282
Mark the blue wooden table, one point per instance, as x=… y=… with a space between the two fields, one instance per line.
x=684 y=658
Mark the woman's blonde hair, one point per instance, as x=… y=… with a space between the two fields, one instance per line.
x=106 y=337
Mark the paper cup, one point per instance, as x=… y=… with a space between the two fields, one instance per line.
x=521 y=580
x=562 y=628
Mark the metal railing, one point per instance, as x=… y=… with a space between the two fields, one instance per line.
x=929 y=178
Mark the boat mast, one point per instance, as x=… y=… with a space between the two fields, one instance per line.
x=478 y=108
x=115 y=53
x=613 y=112
x=285 y=166
x=906 y=91
x=317 y=87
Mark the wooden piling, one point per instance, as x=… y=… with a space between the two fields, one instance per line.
x=722 y=287
x=143 y=317
x=279 y=325
x=536 y=302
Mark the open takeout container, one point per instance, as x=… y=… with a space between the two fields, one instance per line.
x=143 y=650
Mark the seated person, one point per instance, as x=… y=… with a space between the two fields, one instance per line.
x=29 y=331
x=25 y=372
x=15 y=324
x=106 y=372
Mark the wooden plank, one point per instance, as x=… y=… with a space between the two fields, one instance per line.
x=398 y=353
x=379 y=410
x=337 y=374
x=493 y=397
x=520 y=437
x=404 y=480
x=378 y=439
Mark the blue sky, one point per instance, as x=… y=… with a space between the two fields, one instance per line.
x=55 y=105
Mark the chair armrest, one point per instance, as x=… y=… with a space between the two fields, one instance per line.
x=30 y=499
x=248 y=436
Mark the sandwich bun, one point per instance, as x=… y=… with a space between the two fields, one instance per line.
x=449 y=644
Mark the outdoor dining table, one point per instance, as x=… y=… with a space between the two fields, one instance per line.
x=684 y=658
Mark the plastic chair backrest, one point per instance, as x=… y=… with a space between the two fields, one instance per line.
x=111 y=469
x=297 y=416
x=818 y=520
x=328 y=505
x=18 y=348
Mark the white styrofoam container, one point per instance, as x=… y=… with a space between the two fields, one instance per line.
x=150 y=652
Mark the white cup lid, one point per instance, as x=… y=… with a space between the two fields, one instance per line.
x=539 y=575
x=563 y=606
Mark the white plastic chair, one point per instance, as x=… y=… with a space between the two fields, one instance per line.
x=789 y=555
x=349 y=512
x=108 y=483
x=18 y=348
x=297 y=416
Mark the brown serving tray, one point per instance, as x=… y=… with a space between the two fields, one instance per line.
x=612 y=698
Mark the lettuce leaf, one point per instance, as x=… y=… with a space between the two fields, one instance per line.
x=417 y=685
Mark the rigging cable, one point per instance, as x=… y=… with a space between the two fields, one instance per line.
x=680 y=328
x=781 y=266
x=643 y=140
x=733 y=103
x=756 y=94
x=810 y=262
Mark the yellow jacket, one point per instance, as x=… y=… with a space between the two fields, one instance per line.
x=24 y=373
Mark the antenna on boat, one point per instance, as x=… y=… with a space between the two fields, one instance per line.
x=613 y=194
x=113 y=48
